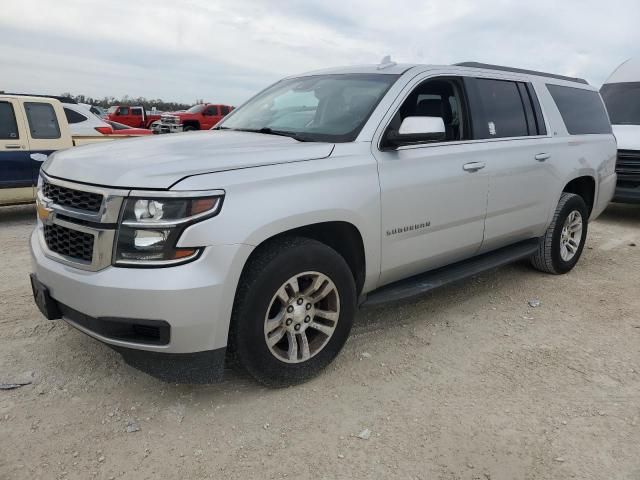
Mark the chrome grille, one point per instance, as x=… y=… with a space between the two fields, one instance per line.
x=628 y=164
x=70 y=198
x=70 y=243
x=170 y=119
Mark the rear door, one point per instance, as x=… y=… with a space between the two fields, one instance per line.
x=16 y=170
x=512 y=140
x=137 y=115
x=210 y=116
x=48 y=132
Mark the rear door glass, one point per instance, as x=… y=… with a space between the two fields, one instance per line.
x=503 y=110
x=8 y=124
x=43 y=123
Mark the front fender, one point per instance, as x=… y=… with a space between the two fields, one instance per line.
x=266 y=201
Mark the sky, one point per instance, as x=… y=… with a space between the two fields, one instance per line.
x=227 y=50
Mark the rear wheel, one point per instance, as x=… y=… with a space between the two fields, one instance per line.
x=562 y=245
x=189 y=128
x=293 y=311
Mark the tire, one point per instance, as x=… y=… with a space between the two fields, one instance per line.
x=260 y=314
x=189 y=128
x=550 y=257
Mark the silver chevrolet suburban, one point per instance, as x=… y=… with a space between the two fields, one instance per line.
x=326 y=191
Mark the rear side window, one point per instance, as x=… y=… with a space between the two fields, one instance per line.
x=582 y=110
x=73 y=116
x=136 y=111
x=42 y=120
x=503 y=110
x=225 y=109
x=8 y=124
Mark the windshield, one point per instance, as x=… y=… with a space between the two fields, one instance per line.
x=623 y=102
x=196 y=109
x=330 y=108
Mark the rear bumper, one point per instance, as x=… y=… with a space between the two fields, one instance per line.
x=192 y=301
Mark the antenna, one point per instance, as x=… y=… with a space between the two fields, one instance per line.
x=386 y=62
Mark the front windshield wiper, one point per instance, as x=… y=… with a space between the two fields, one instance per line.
x=268 y=131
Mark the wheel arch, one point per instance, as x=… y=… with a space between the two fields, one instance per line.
x=585 y=187
x=342 y=236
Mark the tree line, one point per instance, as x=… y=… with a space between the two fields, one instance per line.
x=147 y=103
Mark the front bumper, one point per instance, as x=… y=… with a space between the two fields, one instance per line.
x=167 y=128
x=195 y=300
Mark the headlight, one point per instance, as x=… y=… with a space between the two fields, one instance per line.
x=150 y=228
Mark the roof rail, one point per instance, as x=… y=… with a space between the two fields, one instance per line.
x=56 y=97
x=520 y=70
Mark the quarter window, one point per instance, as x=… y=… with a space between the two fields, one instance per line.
x=8 y=124
x=504 y=114
x=42 y=120
x=73 y=116
x=582 y=111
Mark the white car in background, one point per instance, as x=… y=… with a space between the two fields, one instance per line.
x=83 y=122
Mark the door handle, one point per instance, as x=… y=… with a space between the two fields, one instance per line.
x=541 y=157
x=473 y=166
x=38 y=157
x=13 y=147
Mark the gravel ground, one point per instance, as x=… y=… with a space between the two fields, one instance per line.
x=467 y=382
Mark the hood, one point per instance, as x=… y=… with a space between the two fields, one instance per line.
x=160 y=161
x=628 y=136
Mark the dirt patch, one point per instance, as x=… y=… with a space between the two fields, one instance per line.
x=467 y=382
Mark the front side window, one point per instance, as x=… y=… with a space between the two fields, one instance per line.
x=8 y=124
x=582 y=110
x=623 y=102
x=196 y=109
x=503 y=110
x=124 y=111
x=42 y=120
x=225 y=110
x=212 y=110
x=331 y=108
x=436 y=98
x=73 y=116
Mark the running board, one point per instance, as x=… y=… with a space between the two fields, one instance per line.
x=419 y=284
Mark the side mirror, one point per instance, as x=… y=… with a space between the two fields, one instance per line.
x=417 y=130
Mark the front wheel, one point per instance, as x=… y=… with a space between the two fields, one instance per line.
x=563 y=242
x=293 y=311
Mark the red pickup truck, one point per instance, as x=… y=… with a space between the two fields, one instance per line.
x=198 y=117
x=135 y=117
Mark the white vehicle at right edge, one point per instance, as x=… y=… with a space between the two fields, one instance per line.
x=621 y=94
x=326 y=191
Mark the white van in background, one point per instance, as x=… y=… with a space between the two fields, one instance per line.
x=621 y=94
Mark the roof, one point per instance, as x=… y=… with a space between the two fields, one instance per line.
x=400 y=68
x=56 y=97
x=629 y=71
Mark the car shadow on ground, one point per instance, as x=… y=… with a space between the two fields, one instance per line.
x=625 y=214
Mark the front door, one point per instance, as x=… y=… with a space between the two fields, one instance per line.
x=433 y=195
x=16 y=169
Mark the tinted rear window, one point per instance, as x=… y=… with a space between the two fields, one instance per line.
x=73 y=116
x=582 y=110
x=42 y=120
x=8 y=125
x=503 y=109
